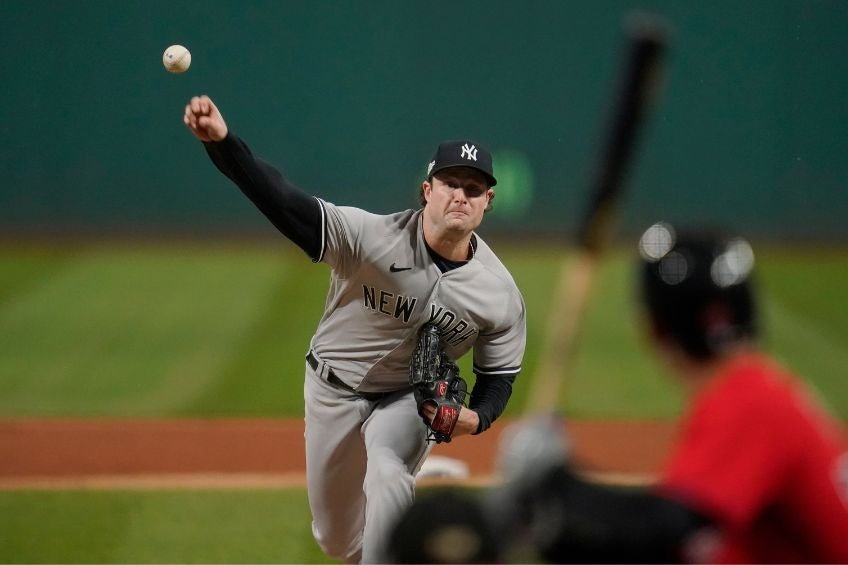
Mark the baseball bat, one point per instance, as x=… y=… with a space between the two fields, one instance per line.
x=640 y=82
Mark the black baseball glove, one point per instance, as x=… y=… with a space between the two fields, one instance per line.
x=436 y=382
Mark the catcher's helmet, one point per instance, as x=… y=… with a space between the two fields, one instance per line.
x=697 y=288
x=446 y=525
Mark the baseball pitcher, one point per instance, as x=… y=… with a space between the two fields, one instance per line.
x=409 y=294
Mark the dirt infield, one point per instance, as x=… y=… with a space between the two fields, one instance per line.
x=58 y=453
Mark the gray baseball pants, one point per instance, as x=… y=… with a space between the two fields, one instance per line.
x=361 y=459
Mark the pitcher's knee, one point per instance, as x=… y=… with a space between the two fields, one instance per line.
x=338 y=546
x=387 y=473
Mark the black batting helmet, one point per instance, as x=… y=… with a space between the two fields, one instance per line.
x=696 y=287
x=446 y=525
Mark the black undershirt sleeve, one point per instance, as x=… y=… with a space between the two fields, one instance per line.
x=489 y=397
x=579 y=521
x=296 y=214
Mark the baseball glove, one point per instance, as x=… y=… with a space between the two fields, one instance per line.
x=436 y=382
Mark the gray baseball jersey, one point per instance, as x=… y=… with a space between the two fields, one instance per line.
x=384 y=286
x=365 y=446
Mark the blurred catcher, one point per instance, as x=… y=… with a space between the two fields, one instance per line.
x=760 y=470
x=445 y=525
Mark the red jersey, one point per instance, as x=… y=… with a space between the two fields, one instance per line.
x=763 y=460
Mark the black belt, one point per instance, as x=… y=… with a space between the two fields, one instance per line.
x=334 y=380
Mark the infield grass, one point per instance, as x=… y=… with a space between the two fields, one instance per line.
x=215 y=329
x=168 y=526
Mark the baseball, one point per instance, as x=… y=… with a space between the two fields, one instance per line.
x=176 y=59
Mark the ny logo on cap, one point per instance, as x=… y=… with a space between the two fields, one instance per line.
x=469 y=153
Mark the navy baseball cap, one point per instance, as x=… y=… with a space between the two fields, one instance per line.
x=462 y=153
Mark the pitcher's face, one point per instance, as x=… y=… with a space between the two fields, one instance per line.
x=457 y=199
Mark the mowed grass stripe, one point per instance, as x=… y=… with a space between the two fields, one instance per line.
x=815 y=356
x=810 y=286
x=22 y=269
x=264 y=376
x=806 y=321
x=170 y=526
x=222 y=331
x=614 y=372
x=129 y=332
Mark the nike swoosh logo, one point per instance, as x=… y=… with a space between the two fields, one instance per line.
x=395 y=269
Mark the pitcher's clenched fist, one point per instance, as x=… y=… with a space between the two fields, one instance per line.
x=204 y=120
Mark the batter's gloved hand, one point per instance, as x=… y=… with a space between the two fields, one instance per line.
x=439 y=390
x=531 y=451
x=531 y=446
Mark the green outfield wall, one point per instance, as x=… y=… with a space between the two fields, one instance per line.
x=350 y=98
